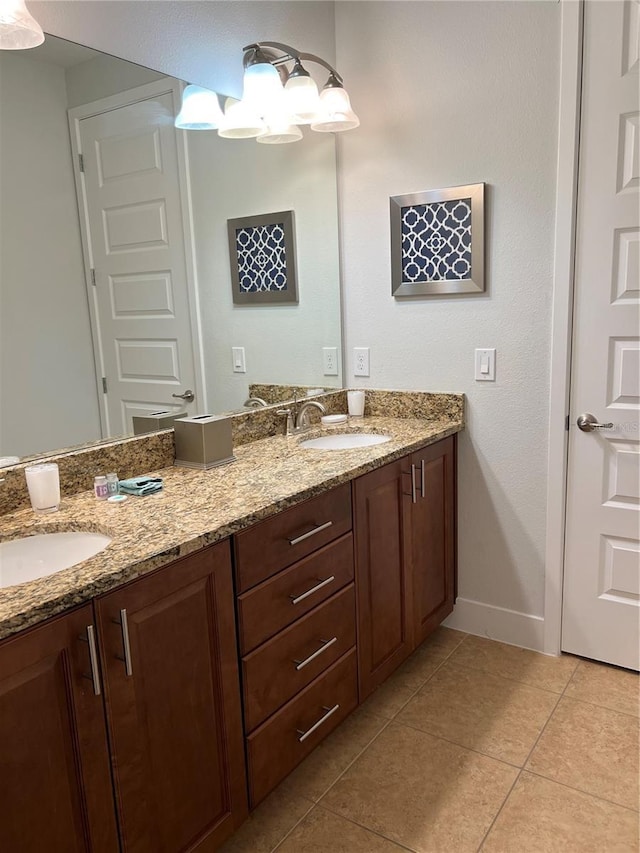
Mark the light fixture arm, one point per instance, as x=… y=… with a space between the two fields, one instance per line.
x=290 y=55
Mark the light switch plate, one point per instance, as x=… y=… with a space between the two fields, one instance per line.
x=330 y=361
x=361 y=361
x=485 y=363
x=239 y=362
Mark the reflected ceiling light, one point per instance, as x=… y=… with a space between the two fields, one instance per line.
x=200 y=110
x=240 y=121
x=18 y=29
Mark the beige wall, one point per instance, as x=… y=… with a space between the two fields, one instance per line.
x=43 y=303
x=456 y=93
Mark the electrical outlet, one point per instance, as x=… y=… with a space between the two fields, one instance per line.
x=361 y=361
x=330 y=361
x=239 y=362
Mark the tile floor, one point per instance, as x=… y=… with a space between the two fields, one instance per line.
x=471 y=745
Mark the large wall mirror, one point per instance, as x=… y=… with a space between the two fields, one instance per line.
x=160 y=319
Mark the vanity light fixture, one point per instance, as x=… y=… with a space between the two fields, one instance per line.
x=200 y=110
x=279 y=95
x=18 y=28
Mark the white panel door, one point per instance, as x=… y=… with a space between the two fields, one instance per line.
x=136 y=243
x=601 y=605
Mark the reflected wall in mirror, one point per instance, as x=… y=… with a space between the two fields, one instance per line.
x=160 y=319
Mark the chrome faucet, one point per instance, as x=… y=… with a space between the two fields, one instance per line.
x=300 y=422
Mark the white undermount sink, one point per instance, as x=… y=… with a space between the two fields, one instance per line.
x=44 y=554
x=344 y=441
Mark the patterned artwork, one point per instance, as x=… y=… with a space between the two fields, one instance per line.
x=262 y=259
x=262 y=251
x=437 y=241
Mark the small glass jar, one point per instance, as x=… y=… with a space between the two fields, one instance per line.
x=112 y=484
x=100 y=488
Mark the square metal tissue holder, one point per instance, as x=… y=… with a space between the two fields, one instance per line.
x=203 y=441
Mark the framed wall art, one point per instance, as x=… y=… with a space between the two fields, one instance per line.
x=262 y=252
x=437 y=242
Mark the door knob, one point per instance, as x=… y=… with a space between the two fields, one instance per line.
x=587 y=423
x=188 y=396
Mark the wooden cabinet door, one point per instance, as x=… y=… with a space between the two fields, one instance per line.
x=55 y=781
x=382 y=579
x=432 y=537
x=173 y=705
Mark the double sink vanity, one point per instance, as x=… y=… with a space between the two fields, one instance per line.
x=153 y=694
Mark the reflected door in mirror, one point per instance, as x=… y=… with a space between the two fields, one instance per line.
x=130 y=199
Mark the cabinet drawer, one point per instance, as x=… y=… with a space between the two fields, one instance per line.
x=270 y=545
x=289 y=661
x=281 y=743
x=279 y=601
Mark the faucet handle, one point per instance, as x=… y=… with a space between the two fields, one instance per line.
x=289 y=425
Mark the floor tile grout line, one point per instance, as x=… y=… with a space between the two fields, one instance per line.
x=522 y=768
x=459 y=745
x=581 y=791
x=368 y=829
x=604 y=707
x=499 y=812
x=544 y=728
x=515 y=680
x=297 y=823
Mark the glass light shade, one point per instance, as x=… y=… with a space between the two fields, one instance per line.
x=200 y=110
x=262 y=87
x=280 y=131
x=240 y=121
x=302 y=99
x=335 y=113
x=18 y=29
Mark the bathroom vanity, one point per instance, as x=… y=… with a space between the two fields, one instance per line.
x=201 y=664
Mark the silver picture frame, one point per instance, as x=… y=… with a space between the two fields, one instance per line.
x=413 y=261
x=257 y=268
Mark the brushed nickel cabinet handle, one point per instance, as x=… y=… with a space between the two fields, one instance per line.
x=315 y=726
x=295 y=599
x=310 y=533
x=300 y=664
x=93 y=658
x=126 y=646
x=90 y=639
x=422 y=487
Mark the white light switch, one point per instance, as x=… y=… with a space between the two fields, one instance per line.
x=485 y=365
x=239 y=363
x=330 y=361
x=361 y=361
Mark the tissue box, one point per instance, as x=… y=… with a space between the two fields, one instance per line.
x=203 y=441
x=155 y=421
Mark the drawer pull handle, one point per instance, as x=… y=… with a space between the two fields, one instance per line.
x=93 y=658
x=126 y=646
x=323 y=719
x=310 y=533
x=300 y=664
x=295 y=599
x=422 y=485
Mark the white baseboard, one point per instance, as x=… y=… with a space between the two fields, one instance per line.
x=498 y=623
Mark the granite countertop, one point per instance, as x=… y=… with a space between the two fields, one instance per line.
x=195 y=509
